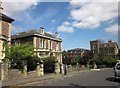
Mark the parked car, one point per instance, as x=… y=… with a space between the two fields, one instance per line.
x=117 y=70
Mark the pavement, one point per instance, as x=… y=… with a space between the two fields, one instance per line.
x=29 y=80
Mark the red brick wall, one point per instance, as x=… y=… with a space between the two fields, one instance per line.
x=5 y=29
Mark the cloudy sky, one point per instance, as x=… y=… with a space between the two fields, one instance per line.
x=76 y=22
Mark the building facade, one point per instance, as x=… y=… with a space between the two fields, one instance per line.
x=110 y=48
x=5 y=32
x=45 y=44
x=79 y=52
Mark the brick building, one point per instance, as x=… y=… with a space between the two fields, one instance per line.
x=44 y=43
x=110 y=48
x=71 y=54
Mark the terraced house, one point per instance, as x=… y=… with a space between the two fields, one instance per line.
x=45 y=43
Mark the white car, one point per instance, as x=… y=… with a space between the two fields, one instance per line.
x=117 y=70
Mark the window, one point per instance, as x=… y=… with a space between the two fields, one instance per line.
x=57 y=46
x=40 y=43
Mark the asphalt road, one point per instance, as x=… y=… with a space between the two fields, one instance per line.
x=89 y=78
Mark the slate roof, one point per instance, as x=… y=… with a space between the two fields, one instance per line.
x=77 y=49
x=6 y=18
x=33 y=33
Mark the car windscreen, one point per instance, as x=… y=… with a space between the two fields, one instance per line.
x=118 y=66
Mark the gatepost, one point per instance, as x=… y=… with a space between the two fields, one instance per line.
x=88 y=65
x=57 y=70
x=38 y=69
x=24 y=64
x=42 y=68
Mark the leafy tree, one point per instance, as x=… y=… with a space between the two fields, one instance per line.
x=64 y=53
x=102 y=59
x=21 y=53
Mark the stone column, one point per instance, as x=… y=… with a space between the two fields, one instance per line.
x=83 y=67
x=57 y=70
x=38 y=70
x=4 y=71
x=42 y=68
x=25 y=70
x=1 y=71
x=78 y=67
x=94 y=66
x=88 y=65
x=62 y=66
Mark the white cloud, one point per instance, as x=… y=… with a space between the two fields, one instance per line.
x=65 y=27
x=19 y=10
x=87 y=14
x=91 y=14
x=114 y=29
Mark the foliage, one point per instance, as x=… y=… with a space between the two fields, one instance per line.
x=6 y=51
x=101 y=59
x=64 y=53
x=21 y=53
x=76 y=60
x=32 y=63
x=51 y=58
x=49 y=64
x=64 y=57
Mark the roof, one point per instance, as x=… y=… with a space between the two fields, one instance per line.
x=109 y=44
x=77 y=49
x=6 y=18
x=34 y=33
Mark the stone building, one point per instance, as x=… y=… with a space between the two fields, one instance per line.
x=5 y=38
x=110 y=48
x=5 y=32
x=45 y=44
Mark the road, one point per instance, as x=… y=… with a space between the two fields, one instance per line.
x=88 y=78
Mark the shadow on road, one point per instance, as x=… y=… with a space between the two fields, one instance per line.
x=76 y=85
x=113 y=79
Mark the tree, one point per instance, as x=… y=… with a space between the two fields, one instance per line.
x=21 y=53
x=76 y=60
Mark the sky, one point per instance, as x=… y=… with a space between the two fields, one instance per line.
x=77 y=22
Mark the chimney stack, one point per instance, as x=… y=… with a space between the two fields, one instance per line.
x=41 y=30
x=57 y=35
x=109 y=41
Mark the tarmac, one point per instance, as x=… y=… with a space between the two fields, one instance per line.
x=27 y=80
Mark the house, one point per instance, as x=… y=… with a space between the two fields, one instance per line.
x=110 y=48
x=45 y=44
x=5 y=32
